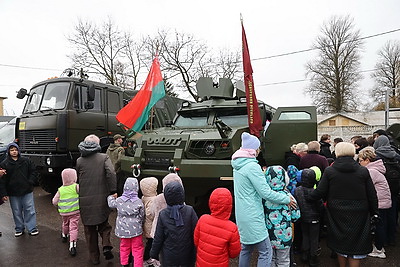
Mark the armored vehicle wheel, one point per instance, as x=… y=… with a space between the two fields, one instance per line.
x=50 y=182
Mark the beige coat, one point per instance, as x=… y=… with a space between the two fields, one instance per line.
x=148 y=186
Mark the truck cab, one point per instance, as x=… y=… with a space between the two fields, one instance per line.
x=58 y=114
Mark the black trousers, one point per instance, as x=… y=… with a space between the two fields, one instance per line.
x=310 y=241
x=92 y=233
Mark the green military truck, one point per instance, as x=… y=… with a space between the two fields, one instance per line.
x=198 y=145
x=59 y=113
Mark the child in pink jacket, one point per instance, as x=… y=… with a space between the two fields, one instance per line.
x=67 y=201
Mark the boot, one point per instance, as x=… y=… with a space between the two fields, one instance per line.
x=72 y=248
x=314 y=261
x=108 y=255
x=64 y=238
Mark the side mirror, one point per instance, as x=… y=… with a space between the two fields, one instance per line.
x=22 y=93
x=90 y=93
x=168 y=123
x=88 y=105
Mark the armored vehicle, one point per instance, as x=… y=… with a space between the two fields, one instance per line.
x=198 y=145
x=59 y=113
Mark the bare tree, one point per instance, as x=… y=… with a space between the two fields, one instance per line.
x=105 y=50
x=335 y=73
x=387 y=74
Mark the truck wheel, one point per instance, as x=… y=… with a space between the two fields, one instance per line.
x=50 y=182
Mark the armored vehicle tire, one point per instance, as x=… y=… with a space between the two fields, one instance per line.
x=50 y=182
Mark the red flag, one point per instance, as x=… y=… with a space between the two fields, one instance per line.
x=253 y=111
x=136 y=113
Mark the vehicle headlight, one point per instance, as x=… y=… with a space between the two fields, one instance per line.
x=209 y=149
x=48 y=161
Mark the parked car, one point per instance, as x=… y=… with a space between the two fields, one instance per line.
x=7 y=135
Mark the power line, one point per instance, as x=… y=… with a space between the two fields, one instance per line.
x=303 y=80
x=26 y=67
x=311 y=49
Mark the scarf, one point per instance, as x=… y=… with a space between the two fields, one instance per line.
x=176 y=214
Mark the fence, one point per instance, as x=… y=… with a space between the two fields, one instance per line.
x=346 y=132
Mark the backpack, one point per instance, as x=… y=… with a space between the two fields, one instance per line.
x=392 y=175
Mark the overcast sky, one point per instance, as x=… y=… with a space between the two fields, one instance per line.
x=34 y=47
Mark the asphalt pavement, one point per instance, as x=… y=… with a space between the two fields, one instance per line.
x=46 y=249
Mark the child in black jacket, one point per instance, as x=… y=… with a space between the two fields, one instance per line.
x=175 y=230
x=310 y=215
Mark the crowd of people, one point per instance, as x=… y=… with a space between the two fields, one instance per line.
x=347 y=192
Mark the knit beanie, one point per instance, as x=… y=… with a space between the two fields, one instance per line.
x=250 y=141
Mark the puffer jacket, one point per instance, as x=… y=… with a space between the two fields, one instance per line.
x=97 y=181
x=159 y=202
x=130 y=211
x=217 y=238
x=279 y=217
x=148 y=186
x=250 y=188
x=173 y=240
x=310 y=210
x=377 y=171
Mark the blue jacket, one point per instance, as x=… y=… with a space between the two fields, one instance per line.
x=250 y=187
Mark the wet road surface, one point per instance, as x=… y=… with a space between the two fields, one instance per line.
x=46 y=249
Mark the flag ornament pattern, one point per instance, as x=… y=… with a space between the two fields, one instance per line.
x=253 y=112
x=136 y=113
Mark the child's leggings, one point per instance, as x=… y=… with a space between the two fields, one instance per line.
x=70 y=226
x=134 y=245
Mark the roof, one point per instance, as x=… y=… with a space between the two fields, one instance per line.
x=342 y=115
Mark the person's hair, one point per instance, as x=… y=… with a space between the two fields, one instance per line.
x=361 y=142
x=354 y=138
x=314 y=146
x=337 y=140
x=345 y=149
x=301 y=147
x=371 y=140
x=325 y=137
x=92 y=138
x=367 y=153
x=293 y=148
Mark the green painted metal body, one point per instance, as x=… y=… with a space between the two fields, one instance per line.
x=200 y=143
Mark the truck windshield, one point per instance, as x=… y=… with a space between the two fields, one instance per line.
x=191 y=119
x=52 y=96
x=231 y=117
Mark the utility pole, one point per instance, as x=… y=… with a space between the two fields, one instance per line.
x=387 y=105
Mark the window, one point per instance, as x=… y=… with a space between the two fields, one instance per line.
x=332 y=122
x=295 y=115
x=113 y=102
x=80 y=97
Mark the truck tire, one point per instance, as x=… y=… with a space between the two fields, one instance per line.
x=50 y=182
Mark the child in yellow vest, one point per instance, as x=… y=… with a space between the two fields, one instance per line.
x=67 y=201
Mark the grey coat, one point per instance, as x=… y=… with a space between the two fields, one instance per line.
x=130 y=212
x=96 y=177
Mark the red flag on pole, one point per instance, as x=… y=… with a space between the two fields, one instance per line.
x=136 y=113
x=253 y=111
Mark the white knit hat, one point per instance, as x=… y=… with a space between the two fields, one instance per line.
x=250 y=141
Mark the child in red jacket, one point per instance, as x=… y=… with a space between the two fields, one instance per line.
x=215 y=237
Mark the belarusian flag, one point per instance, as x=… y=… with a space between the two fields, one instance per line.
x=135 y=114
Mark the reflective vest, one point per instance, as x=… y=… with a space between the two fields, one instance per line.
x=69 y=199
